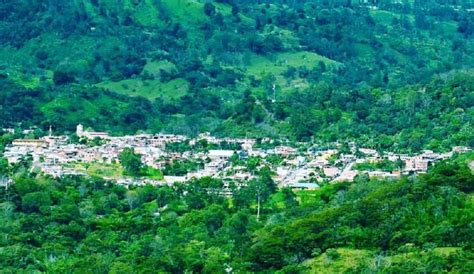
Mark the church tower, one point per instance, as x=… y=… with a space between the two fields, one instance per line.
x=80 y=130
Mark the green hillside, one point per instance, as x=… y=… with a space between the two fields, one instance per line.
x=390 y=75
x=244 y=68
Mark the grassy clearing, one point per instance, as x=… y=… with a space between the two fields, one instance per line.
x=415 y=256
x=260 y=66
x=348 y=260
x=152 y=173
x=70 y=110
x=190 y=13
x=383 y=17
x=113 y=170
x=147 y=14
x=307 y=197
x=76 y=109
x=154 y=67
x=447 y=27
x=150 y=89
x=68 y=53
x=277 y=64
x=102 y=169
x=27 y=82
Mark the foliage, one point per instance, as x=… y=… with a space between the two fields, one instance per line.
x=151 y=173
x=131 y=161
x=409 y=225
x=384 y=165
x=182 y=167
x=388 y=74
x=133 y=166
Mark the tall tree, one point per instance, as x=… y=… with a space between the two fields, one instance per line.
x=131 y=161
x=262 y=188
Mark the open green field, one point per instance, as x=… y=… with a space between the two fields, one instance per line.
x=113 y=170
x=307 y=197
x=76 y=108
x=82 y=108
x=150 y=89
x=154 y=67
x=346 y=260
x=278 y=63
x=102 y=169
x=188 y=12
x=147 y=14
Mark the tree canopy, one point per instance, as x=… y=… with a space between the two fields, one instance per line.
x=392 y=74
x=412 y=224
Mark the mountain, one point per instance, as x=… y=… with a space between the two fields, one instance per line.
x=392 y=74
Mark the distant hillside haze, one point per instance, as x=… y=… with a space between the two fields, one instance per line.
x=389 y=74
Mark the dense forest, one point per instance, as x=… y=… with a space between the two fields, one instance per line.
x=390 y=74
x=414 y=224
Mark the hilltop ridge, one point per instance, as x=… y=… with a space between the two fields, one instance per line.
x=328 y=69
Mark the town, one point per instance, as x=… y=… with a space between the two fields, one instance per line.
x=230 y=159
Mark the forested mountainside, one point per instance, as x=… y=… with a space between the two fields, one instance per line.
x=411 y=225
x=392 y=74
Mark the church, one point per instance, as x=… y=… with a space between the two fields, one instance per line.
x=81 y=133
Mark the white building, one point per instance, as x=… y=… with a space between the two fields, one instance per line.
x=80 y=132
x=220 y=154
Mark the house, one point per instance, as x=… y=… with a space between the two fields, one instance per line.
x=326 y=154
x=55 y=140
x=331 y=172
x=417 y=163
x=53 y=170
x=318 y=163
x=297 y=162
x=247 y=146
x=14 y=154
x=220 y=154
x=240 y=176
x=285 y=151
x=215 y=166
x=368 y=151
x=281 y=173
x=89 y=155
x=421 y=165
x=460 y=149
x=80 y=132
x=169 y=138
x=170 y=180
x=304 y=186
x=257 y=153
x=33 y=143
x=346 y=176
x=198 y=174
x=410 y=164
x=430 y=155
x=347 y=158
x=383 y=174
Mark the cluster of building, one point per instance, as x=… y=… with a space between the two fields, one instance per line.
x=296 y=168
x=323 y=166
